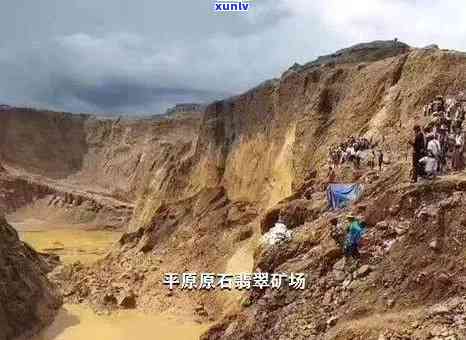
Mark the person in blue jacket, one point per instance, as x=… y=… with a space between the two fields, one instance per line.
x=355 y=231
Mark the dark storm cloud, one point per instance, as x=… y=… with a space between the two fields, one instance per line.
x=142 y=56
x=122 y=96
x=120 y=56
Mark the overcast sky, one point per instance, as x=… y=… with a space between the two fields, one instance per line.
x=140 y=56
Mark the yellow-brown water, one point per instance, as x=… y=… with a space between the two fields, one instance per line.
x=71 y=245
x=80 y=323
x=77 y=322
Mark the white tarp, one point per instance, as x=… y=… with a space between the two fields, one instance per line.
x=279 y=233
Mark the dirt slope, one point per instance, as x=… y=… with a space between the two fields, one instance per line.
x=409 y=283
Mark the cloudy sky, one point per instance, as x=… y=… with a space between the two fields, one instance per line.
x=141 y=56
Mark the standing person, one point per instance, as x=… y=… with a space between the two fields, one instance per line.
x=355 y=231
x=458 y=152
x=371 y=159
x=443 y=140
x=357 y=158
x=459 y=117
x=434 y=147
x=439 y=103
x=331 y=175
x=418 y=145
x=351 y=153
x=430 y=164
x=380 y=159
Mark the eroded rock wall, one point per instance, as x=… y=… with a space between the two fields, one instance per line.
x=260 y=145
x=112 y=156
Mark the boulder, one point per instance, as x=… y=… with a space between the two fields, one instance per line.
x=147 y=242
x=244 y=233
x=332 y=321
x=200 y=310
x=390 y=303
x=347 y=282
x=433 y=245
x=110 y=299
x=332 y=253
x=382 y=225
x=363 y=271
x=439 y=309
x=431 y=47
x=339 y=275
x=340 y=265
x=127 y=300
x=294 y=214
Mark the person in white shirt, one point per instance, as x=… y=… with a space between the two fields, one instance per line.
x=458 y=157
x=430 y=165
x=434 y=147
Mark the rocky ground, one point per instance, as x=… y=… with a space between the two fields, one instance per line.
x=28 y=301
x=408 y=284
x=132 y=273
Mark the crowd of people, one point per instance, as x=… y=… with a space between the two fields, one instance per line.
x=438 y=147
x=354 y=150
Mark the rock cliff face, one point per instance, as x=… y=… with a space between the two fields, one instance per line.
x=306 y=111
x=112 y=156
x=260 y=145
x=28 y=301
x=97 y=167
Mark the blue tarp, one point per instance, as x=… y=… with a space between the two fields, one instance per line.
x=341 y=195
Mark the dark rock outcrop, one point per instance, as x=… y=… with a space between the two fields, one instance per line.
x=28 y=301
x=364 y=52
